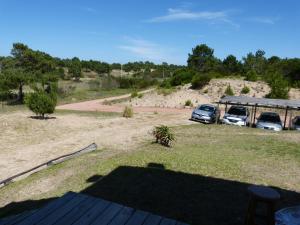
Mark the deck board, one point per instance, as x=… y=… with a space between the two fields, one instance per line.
x=93 y=213
x=166 y=221
x=137 y=218
x=62 y=211
x=79 y=209
x=108 y=215
x=123 y=216
x=77 y=212
x=152 y=220
x=42 y=213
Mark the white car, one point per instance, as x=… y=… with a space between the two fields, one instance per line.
x=237 y=115
x=269 y=121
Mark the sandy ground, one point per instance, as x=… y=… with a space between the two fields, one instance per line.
x=26 y=142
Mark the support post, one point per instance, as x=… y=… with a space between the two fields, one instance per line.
x=254 y=118
x=226 y=107
x=285 y=117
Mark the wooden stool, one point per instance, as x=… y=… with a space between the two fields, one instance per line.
x=262 y=195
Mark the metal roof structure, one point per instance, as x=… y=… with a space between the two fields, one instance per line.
x=260 y=102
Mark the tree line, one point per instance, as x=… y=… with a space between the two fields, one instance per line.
x=31 y=67
x=202 y=65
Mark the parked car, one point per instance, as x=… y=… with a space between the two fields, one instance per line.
x=237 y=115
x=206 y=113
x=269 y=121
x=296 y=123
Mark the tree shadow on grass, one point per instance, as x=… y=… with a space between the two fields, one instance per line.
x=42 y=118
x=191 y=198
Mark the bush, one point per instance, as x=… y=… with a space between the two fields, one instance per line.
x=128 y=112
x=182 y=76
x=200 y=80
x=188 y=103
x=279 y=87
x=40 y=103
x=251 y=76
x=166 y=84
x=245 y=90
x=163 y=135
x=134 y=94
x=229 y=91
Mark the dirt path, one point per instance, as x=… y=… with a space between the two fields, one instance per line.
x=99 y=105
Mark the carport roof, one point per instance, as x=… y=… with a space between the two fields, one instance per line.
x=260 y=102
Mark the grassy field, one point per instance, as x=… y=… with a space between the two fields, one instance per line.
x=201 y=180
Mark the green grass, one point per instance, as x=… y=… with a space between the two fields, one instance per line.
x=85 y=95
x=201 y=180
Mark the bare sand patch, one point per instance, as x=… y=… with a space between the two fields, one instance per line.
x=26 y=142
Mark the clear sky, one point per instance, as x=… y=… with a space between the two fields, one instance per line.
x=156 y=30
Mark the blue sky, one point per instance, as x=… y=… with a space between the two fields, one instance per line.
x=165 y=30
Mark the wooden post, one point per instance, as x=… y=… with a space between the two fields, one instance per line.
x=291 y=118
x=226 y=108
x=254 y=118
x=285 y=117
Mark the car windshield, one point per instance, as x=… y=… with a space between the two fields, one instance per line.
x=206 y=108
x=273 y=118
x=297 y=122
x=237 y=111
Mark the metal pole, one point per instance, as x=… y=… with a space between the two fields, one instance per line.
x=286 y=112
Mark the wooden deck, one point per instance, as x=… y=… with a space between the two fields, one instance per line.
x=79 y=209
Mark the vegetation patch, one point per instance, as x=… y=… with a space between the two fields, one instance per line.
x=128 y=112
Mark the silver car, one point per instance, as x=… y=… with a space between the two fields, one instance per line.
x=296 y=123
x=206 y=114
x=237 y=115
x=269 y=121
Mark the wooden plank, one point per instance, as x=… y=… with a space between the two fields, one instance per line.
x=152 y=220
x=137 y=218
x=123 y=216
x=43 y=212
x=93 y=212
x=108 y=215
x=15 y=219
x=78 y=211
x=55 y=215
x=166 y=221
x=180 y=223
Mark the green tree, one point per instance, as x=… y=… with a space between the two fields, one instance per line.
x=231 y=65
x=75 y=69
x=255 y=62
x=202 y=58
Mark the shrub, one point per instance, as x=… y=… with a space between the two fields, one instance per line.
x=182 y=76
x=134 y=94
x=245 y=90
x=251 y=76
x=40 y=103
x=166 y=84
x=128 y=112
x=229 y=91
x=163 y=135
x=279 y=87
x=140 y=95
x=200 y=80
x=188 y=103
